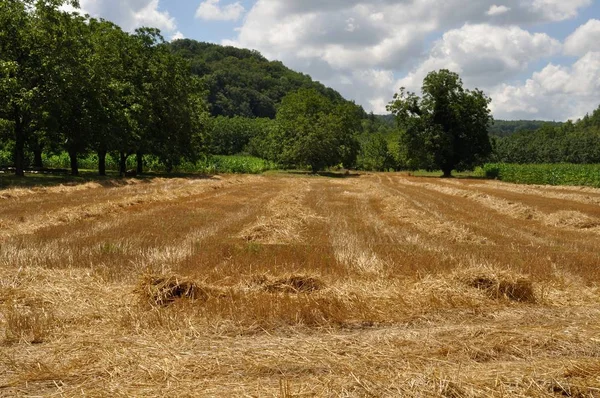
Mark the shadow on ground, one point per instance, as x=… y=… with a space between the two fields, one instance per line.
x=111 y=180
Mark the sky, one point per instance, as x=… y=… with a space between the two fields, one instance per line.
x=536 y=59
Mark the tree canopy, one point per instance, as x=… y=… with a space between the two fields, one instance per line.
x=242 y=82
x=446 y=128
x=315 y=131
x=75 y=84
x=570 y=142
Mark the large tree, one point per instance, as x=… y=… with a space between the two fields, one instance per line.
x=447 y=127
x=317 y=132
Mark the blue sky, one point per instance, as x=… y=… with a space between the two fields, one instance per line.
x=537 y=59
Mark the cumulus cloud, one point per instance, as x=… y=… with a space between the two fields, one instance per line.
x=586 y=38
x=483 y=55
x=211 y=10
x=558 y=10
x=177 y=36
x=339 y=42
x=131 y=14
x=497 y=10
x=555 y=93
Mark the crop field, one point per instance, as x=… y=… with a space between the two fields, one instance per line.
x=287 y=285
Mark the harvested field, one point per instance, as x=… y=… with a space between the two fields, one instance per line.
x=376 y=285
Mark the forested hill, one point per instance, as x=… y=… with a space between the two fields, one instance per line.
x=504 y=128
x=500 y=128
x=242 y=82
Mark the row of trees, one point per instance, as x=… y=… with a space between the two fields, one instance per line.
x=76 y=84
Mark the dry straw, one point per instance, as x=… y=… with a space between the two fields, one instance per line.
x=499 y=284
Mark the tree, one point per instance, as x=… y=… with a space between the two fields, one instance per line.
x=447 y=127
x=375 y=154
x=30 y=39
x=316 y=132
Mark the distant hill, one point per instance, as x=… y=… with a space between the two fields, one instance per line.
x=504 y=128
x=500 y=128
x=242 y=82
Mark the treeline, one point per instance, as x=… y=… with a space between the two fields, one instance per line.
x=76 y=84
x=571 y=142
x=505 y=128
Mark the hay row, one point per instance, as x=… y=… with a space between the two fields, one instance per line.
x=564 y=219
x=540 y=191
x=166 y=289
x=33 y=223
x=287 y=218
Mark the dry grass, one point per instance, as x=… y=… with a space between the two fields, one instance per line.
x=383 y=285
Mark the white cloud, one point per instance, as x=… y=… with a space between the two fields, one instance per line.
x=210 y=10
x=554 y=93
x=497 y=10
x=558 y=10
x=131 y=14
x=177 y=36
x=335 y=41
x=483 y=55
x=586 y=38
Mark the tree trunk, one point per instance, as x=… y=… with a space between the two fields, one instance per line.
x=140 y=162
x=37 y=159
x=19 y=146
x=122 y=164
x=102 y=162
x=447 y=173
x=74 y=163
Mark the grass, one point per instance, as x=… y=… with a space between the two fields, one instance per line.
x=282 y=284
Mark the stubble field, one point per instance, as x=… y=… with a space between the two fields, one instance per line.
x=294 y=286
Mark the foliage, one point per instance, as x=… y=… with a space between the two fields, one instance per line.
x=314 y=131
x=545 y=174
x=505 y=128
x=233 y=164
x=375 y=154
x=572 y=142
x=231 y=135
x=242 y=82
x=447 y=127
x=75 y=84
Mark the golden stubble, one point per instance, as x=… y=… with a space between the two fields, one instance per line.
x=378 y=285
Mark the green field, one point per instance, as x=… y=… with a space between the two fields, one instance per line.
x=543 y=174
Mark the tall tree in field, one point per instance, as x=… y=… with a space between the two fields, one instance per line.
x=169 y=95
x=447 y=127
x=74 y=102
x=111 y=63
x=316 y=132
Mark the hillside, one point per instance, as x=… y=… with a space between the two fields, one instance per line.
x=500 y=128
x=242 y=82
x=503 y=128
